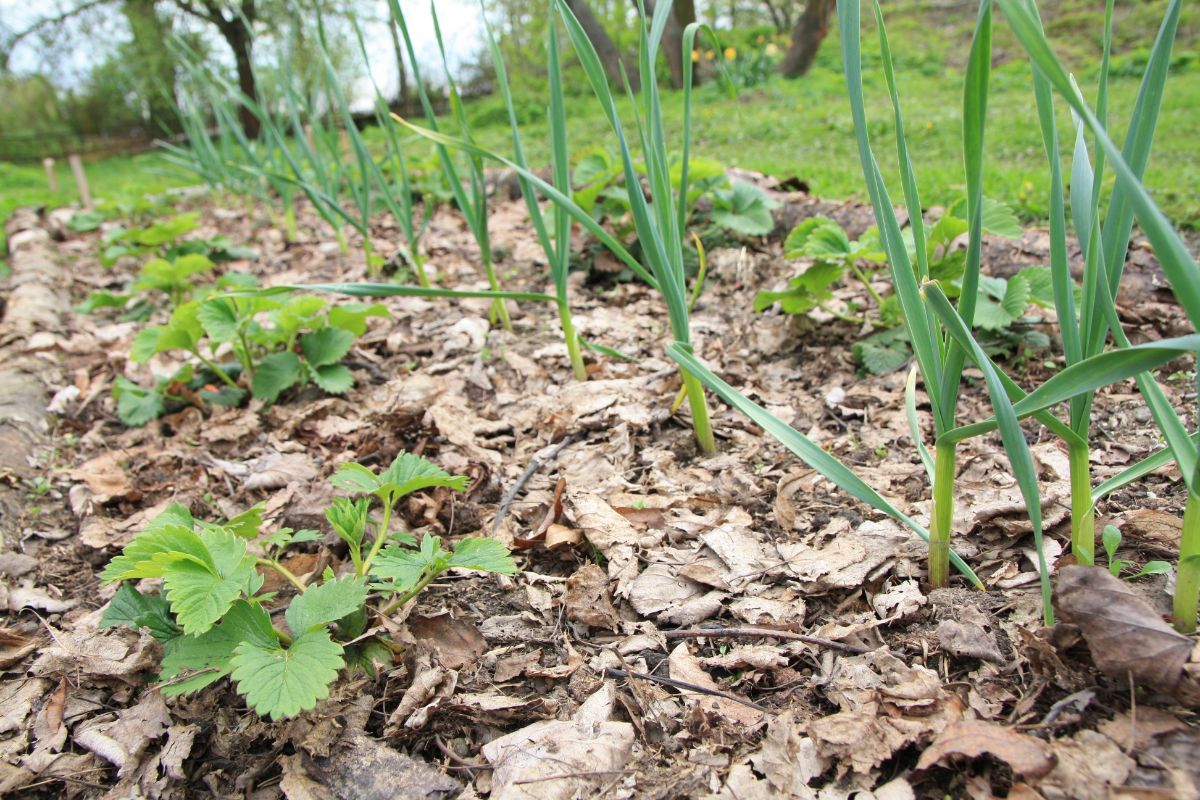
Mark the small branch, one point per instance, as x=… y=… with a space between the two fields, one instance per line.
x=685 y=686
x=538 y=461
x=751 y=631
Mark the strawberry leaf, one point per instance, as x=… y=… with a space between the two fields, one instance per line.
x=281 y=682
x=325 y=603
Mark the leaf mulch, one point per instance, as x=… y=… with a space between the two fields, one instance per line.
x=723 y=627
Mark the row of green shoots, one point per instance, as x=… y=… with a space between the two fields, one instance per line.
x=940 y=306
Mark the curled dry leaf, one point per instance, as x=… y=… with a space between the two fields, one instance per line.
x=588 y=600
x=968 y=639
x=1026 y=755
x=457 y=643
x=1123 y=632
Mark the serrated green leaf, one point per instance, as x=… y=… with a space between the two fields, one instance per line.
x=806 y=291
x=817 y=237
x=353 y=316
x=138 y=559
x=201 y=593
x=273 y=374
x=136 y=405
x=1001 y=302
x=1041 y=285
x=326 y=346
x=401 y=566
x=192 y=662
x=279 y=682
x=409 y=473
x=355 y=478
x=131 y=608
x=325 y=603
x=880 y=359
x=219 y=317
x=185 y=266
x=249 y=622
x=333 y=378
x=483 y=555
x=247 y=523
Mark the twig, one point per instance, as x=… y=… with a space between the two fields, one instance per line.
x=564 y=776
x=750 y=631
x=685 y=686
x=538 y=461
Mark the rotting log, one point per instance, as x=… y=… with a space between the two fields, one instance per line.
x=34 y=302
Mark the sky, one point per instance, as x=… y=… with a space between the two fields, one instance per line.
x=68 y=65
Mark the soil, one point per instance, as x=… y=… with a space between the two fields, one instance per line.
x=585 y=674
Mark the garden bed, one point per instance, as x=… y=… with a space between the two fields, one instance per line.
x=834 y=670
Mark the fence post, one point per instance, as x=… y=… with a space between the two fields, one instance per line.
x=85 y=196
x=51 y=175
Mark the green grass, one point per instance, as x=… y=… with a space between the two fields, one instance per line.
x=118 y=185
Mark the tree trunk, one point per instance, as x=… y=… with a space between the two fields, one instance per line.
x=241 y=42
x=610 y=57
x=810 y=30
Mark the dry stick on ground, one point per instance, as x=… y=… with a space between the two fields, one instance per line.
x=537 y=463
x=750 y=631
x=684 y=686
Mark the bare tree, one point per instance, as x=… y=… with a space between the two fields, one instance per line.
x=810 y=30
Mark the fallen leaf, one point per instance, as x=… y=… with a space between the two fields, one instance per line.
x=276 y=470
x=587 y=600
x=1089 y=766
x=660 y=592
x=1026 y=755
x=26 y=596
x=968 y=639
x=685 y=667
x=788 y=759
x=14 y=646
x=1123 y=632
x=104 y=476
x=457 y=643
x=561 y=760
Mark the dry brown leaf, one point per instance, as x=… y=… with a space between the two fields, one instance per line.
x=515 y=665
x=1089 y=766
x=1123 y=632
x=457 y=643
x=685 y=667
x=14 y=646
x=660 y=592
x=1135 y=730
x=614 y=536
x=561 y=760
x=1026 y=755
x=277 y=470
x=104 y=476
x=588 y=601
x=968 y=639
x=788 y=759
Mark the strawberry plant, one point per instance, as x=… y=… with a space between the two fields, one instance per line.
x=213 y=619
x=277 y=343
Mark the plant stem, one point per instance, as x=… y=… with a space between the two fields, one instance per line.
x=941 y=515
x=499 y=310
x=343 y=245
x=862 y=277
x=371 y=269
x=568 y=327
x=1187 y=577
x=401 y=599
x=380 y=537
x=288 y=575
x=699 y=406
x=418 y=265
x=289 y=221
x=220 y=373
x=1083 y=512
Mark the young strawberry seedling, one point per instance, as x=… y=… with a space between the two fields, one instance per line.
x=213 y=619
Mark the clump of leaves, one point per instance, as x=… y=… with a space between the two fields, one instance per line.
x=277 y=344
x=213 y=619
x=832 y=254
x=1001 y=304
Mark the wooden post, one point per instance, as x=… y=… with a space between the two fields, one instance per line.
x=85 y=196
x=51 y=175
